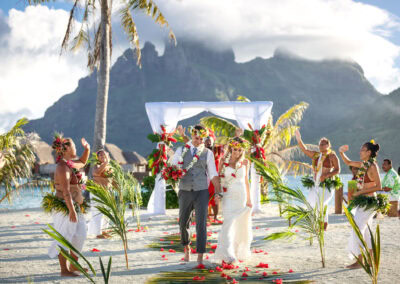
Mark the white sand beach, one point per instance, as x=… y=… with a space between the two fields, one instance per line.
x=23 y=250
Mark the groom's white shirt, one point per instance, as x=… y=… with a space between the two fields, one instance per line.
x=211 y=169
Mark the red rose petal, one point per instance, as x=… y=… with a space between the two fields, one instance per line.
x=6 y=249
x=130 y=230
x=265 y=274
x=13 y=227
x=163 y=256
x=161 y=240
x=274 y=272
x=211 y=271
x=244 y=274
x=228 y=277
x=27 y=215
x=182 y=258
x=200 y=266
x=214 y=247
x=95 y=250
x=290 y=270
x=172 y=250
x=161 y=249
x=257 y=228
x=172 y=242
x=37 y=223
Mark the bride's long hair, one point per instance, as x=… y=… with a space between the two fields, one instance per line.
x=228 y=153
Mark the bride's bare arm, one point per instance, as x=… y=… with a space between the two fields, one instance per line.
x=246 y=180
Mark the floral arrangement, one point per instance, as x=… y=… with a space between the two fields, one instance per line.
x=329 y=183
x=158 y=158
x=317 y=163
x=172 y=175
x=168 y=169
x=257 y=139
x=378 y=203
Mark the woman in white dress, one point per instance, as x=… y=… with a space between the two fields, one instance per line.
x=235 y=236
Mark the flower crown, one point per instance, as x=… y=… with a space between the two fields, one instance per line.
x=203 y=133
x=372 y=141
x=236 y=144
x=59 y=143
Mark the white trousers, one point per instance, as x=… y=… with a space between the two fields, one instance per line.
x=362 y=218
x=316 y=194
x=98 y=222
x=75 y=233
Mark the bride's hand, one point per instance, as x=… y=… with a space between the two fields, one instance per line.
x=248 y=204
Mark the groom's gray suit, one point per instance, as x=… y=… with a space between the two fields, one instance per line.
x=193 y=194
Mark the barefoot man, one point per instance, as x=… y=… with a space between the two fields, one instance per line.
x=193 y=188
x=72 y=226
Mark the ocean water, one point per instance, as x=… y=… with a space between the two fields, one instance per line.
x=32 y=197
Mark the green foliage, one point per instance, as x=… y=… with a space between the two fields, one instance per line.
x=379 y=203
x=220 y=126
x=112 y=203
x=296 y=208
x=329 y=183
x=60 y=238
x=52 y=204
x=370 y=261
x=17 y=151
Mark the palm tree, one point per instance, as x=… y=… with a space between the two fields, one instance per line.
x=99 y=44
x=17 y=157
x=277 y=147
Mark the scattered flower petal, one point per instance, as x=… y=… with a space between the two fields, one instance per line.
x=95 y=250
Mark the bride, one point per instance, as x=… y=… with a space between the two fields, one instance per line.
x=235 y=236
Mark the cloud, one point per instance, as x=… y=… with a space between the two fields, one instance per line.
x=33 y=75
x=314 y=29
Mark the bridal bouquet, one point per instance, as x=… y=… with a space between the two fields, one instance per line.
x=172 y=175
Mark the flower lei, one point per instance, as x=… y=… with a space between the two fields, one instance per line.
x=59 y=145
x=194 y=160
x=227 y=181
x=363 y=171
x=81 y=177
x=317 y=166
x=158 y=158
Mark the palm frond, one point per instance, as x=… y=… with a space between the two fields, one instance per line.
x=243 y=99
x=220 y=126
x=130 y=29
x=292 y=116
x=70 y=27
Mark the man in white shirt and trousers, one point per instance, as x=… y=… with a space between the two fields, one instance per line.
x=193 y=190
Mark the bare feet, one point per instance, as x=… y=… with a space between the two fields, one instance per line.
x=68 y=274
x=186 y=250
x=73 y=269
x=325 y=226
x=355 y=265
x=100 y=237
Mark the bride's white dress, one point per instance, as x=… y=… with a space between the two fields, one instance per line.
x=235 y=236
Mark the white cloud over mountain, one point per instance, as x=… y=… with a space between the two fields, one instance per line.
x=33 y=75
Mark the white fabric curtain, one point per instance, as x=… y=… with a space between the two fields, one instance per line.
x=170 y=113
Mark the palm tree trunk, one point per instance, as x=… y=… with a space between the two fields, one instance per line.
x=103 y=78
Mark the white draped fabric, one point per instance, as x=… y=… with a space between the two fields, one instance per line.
x=170 y=113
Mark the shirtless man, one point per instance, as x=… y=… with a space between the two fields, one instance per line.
x=326 y=165
x=73 y=226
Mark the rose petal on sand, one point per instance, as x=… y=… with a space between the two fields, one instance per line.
x=95 y=250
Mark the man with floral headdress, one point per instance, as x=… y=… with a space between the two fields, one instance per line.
x=68 y=181
x=198 y=165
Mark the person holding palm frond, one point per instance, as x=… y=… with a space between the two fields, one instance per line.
x=102 y=173
x=325 y=166
x=68 y=181
x=365 y=199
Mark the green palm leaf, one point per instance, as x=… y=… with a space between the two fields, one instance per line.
x=220 y=126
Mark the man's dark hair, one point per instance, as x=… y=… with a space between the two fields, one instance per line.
x=388 y=161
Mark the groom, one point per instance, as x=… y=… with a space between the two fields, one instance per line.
x=193 y=189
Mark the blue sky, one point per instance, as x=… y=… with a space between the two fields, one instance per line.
x=30 y=40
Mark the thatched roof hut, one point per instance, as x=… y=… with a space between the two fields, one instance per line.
x=133 y=157
x=43 y=152
x=115 y=153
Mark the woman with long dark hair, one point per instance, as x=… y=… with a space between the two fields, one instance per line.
x=368 y=182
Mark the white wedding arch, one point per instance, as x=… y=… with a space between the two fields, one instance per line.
x=170 y=113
